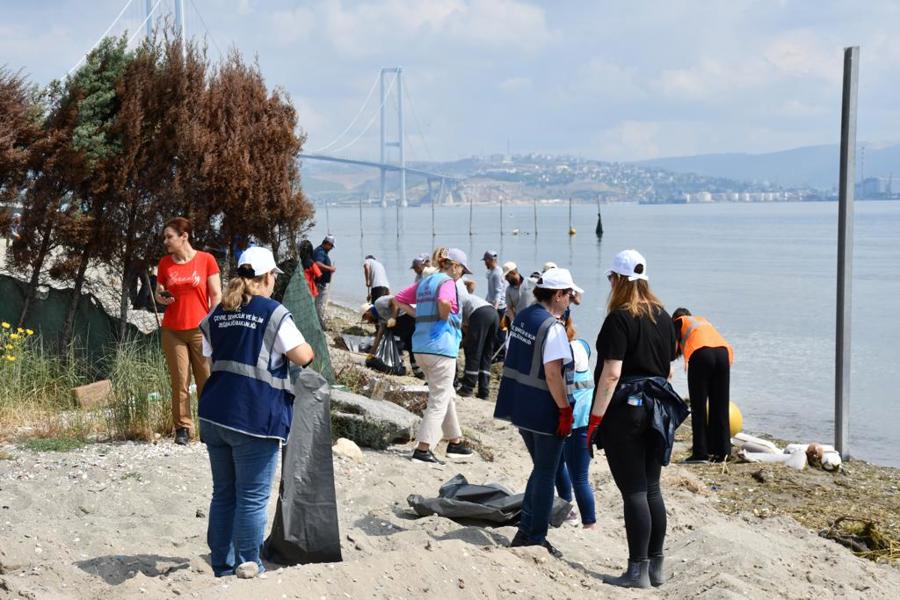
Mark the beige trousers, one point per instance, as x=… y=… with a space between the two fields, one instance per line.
x=184 y=353
x=440 y=414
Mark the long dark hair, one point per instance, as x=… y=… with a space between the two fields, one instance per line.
x=305 y=250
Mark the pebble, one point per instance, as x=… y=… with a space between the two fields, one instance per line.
x=247 y=570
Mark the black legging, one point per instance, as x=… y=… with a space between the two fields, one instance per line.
x=633 y=454
x=709 y=374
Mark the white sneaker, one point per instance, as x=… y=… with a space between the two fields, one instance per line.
x=573 y=517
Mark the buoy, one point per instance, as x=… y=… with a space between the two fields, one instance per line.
x=735 y=418
x=572 y=231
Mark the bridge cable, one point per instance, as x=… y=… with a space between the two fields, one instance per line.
x=353 y=122
x=140 y=29
x=203 y=21
x=412 y=109
x=372 y=120
x=105 y=33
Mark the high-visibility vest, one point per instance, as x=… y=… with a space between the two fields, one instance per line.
x=524 y=398
x=244 y=391
x=434 y=335
x=696 y=333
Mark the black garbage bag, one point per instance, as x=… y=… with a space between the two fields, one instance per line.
x=305 y=529
x=488 y=504
x=387 y=357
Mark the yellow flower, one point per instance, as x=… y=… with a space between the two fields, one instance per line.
x=20 y=330
x=5 y=325
x=29 y=331
x=14 y=336
x=9 y=346
x=10 y=358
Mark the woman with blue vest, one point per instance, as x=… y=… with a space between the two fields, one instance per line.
x=435 y=342
x=533 y=397
x=636 y=411
x=576 y=454
x=246 y=406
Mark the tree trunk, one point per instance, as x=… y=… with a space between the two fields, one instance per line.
x=69 y=324
x=123 y=299
x=36 y=267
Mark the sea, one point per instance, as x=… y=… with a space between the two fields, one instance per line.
x=764 y=274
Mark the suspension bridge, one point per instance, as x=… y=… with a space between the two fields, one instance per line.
x=139 y=16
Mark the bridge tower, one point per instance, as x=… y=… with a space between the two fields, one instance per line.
x=387 y=143
x=179 y=19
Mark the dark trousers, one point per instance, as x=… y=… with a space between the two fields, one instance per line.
x=537 y=505
x=377 y=292
x=500 y=338
x=479 y=348
x=404 y=329
x=709 y=375
x=635 y=463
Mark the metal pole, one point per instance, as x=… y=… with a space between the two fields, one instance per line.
x=534 y=204
x=400 y=140
x=570 y=214
x=845 y=253
x=361 y=228
x=470 y=215
x=382 y=138
x=501 y=215
x=179 y=22
x=148 y=4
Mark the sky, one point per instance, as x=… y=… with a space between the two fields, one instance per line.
x=609 y=80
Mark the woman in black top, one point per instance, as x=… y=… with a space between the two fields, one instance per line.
x=637 y=340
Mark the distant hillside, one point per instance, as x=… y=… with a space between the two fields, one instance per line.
x=813 y=166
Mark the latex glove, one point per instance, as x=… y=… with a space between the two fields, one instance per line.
x=593 y=424
x=391 y=323
x=566 y=419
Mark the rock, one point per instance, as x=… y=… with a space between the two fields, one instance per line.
x=94 y=394
x=413 y=398
x=348 y=449
x=247 y=570
x=370 y=423
x=762 y=476
x=200 y=514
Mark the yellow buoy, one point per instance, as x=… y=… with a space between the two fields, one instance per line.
x=735 y=418
x=572 y=231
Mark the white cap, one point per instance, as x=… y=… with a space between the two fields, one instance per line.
x=509 y=267
x=630 y=264
x=458 y=256
x=548 y=265
x=558 y=279
x=260 y=261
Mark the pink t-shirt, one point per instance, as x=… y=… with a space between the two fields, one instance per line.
x=447 y=292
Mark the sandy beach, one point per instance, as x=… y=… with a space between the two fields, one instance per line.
x=128 y=520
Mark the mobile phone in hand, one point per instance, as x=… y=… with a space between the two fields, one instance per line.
x=166 y=294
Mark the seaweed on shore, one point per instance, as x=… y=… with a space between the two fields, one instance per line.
x=863 y=537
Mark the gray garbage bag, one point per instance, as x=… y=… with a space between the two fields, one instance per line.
x=305 y=529
x=488 y=504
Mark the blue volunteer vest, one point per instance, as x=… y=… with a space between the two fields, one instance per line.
x=524 y=398
x=581 y=390
x=244 y=392
x=433 y=335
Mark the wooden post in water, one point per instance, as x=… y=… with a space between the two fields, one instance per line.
x=501 y=215
x=599 y=229
x=470 y=215
x=534 y=202
x=845 y=253
x=361 y=228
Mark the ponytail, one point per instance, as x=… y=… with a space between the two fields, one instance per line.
x=240 y=291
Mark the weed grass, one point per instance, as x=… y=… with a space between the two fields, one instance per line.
x=60 y=444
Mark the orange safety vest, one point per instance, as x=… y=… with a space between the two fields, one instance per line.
x=696 y=333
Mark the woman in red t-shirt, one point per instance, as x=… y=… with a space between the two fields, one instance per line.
x=188 y=285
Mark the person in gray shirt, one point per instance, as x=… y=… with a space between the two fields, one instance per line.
x=480 y=324
x=376 y=279
x=520 y=293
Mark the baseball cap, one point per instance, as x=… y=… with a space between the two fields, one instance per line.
x=548 y=265
x=509 y=267
x=630 y=264
x=419 y=260
x=558 y=279
x=329 y=238
x=260 y=261
x=458 y=256
x=489 y=254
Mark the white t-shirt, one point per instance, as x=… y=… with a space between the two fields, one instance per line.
x=582 y=360
x=288 y=338
x=556 y=345
x=377 y=274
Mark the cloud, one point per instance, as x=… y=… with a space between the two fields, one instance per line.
x=515 y=84
x=630 y=140
x=292 y=26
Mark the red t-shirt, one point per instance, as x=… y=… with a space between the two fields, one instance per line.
x=187 y=283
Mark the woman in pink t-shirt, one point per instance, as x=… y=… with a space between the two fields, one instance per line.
x=188 y=285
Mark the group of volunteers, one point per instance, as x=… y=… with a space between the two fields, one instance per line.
x=238 y=345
